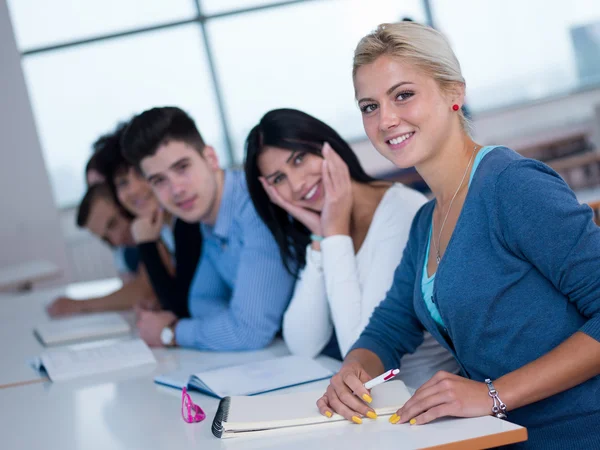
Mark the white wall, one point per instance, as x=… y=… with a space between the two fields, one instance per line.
x=29 y=225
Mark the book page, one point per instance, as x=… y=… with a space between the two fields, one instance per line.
x=248 y=413
x=85 y=327
x=66 y=364
x=261 y=376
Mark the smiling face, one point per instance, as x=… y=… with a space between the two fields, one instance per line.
x=405 y=114
x=297 y=175
x=135 y=193
x=184 y=181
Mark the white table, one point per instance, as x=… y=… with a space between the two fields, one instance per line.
x=127 y=410
x=21 y=277
x=19 y=314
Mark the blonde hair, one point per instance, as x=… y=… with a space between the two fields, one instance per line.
x=426 y=48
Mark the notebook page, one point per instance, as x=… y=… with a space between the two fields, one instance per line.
x=248 y=413
x=66 y=364
x=262 y=376
x=211 y=361
x=82 y=327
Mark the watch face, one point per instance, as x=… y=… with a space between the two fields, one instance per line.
x=166 y=336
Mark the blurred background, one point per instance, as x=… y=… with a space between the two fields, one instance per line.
x=70 y=70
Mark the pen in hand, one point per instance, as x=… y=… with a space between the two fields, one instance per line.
x=386 y=376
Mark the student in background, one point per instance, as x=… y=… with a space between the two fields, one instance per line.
x=168 y=247
x=241 y=288
x=502 y=267
x=125 y=257
x=343 y=228
x=100 y=213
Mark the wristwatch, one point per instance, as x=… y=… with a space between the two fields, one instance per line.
x=167 y=336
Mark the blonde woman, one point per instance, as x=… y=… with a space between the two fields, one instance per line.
x=502 y=268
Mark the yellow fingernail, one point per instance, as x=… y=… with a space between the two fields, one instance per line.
x=371 y=415
x=413 y=421
x=367 y=398
x=395 y=418
x=356 y=419
x=328 y=414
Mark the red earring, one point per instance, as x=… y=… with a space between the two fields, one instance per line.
x=455 y=107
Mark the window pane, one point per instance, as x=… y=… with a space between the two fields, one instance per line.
x=513 y=51
x=39 y=23
x=282 y=62
x=218 y=6
x=81 y=92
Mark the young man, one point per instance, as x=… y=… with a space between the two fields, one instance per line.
x=99 y=213
x=241 y=289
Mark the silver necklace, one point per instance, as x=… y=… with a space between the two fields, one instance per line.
x=436 y=247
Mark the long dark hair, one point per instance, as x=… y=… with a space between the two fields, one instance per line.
x=292 y=130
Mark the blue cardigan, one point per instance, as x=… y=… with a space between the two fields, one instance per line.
x=520 y=275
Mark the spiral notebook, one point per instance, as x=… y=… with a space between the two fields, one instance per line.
x=249 y=379
x=245 y=416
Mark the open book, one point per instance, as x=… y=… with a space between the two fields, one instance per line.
x=244 y=416
x=82 y=328
x=67 y=363
x=250 y=378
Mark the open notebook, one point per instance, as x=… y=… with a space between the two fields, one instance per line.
x=82 y=328
x=250 y=378
x=67 y=363
x=244 y=416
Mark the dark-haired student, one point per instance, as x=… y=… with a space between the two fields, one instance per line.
x=101 y=215
x=241 y=288
x=125 y=258
x=168 y=247
x=345 y=229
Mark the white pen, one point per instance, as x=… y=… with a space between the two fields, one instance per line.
x=386 y=376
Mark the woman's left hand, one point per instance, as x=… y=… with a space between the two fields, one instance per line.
x=446 y=394
x=337 y=207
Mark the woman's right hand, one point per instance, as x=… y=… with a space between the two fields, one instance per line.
x=346 y=394
x=309 y=219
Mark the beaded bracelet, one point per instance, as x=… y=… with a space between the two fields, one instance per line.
x=316 y=237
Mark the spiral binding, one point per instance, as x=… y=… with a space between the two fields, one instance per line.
x=221 y=416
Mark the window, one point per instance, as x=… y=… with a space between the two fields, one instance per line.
x=40 y=23
x=274 y=60
x=220 y=6
x=89 y=65
x=81 y=92
x=513 y=51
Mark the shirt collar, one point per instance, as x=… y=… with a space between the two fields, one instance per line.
x=231 y=188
